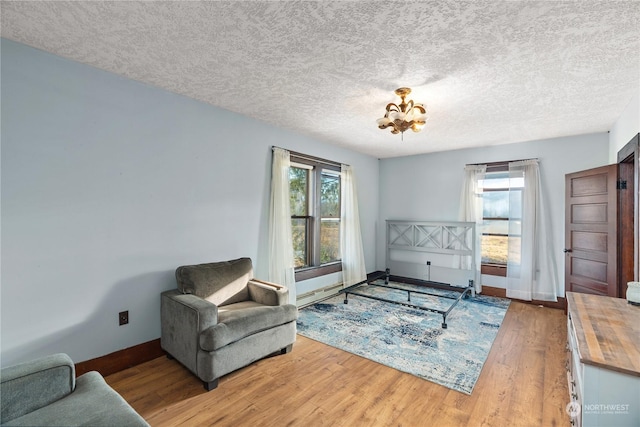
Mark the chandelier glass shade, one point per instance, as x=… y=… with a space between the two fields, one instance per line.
x=403 y=116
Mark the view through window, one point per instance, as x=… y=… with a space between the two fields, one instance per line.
x=501 y=214
x=315 y=212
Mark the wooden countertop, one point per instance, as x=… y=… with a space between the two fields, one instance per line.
x=607 y=330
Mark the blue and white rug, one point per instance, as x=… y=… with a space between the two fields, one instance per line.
x=409 y=339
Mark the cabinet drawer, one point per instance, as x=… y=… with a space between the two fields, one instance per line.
x=574 y=374
x=574 y=356
x=574 y=399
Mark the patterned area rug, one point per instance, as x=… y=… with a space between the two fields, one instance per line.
x=409 y=339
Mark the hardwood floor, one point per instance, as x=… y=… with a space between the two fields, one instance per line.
x=523 y=383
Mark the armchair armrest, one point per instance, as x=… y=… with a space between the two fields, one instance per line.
x=182 y=318
x=268 y=293
x=264 y=282
x=32 y=385
x=203 y=312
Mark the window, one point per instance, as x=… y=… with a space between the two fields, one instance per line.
x=315 y=216
x=501 y=213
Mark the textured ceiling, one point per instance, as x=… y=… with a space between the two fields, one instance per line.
x=489 y=72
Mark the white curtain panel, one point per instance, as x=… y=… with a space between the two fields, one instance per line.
x=531 y=269
x=352 y=253
x=471 y=211
x=280 y=241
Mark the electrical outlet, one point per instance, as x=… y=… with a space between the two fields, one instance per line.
x=123 y=317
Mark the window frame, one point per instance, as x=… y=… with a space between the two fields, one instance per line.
x=491 y=268
x=315 y=166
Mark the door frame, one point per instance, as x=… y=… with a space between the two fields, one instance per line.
x=628 y=158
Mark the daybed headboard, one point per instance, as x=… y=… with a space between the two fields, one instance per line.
x=434 y=251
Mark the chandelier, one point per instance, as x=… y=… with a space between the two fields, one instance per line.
x=406 y=115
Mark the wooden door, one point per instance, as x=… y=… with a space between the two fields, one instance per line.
x=591 y=231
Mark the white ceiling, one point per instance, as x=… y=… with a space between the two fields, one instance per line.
x=489 y=72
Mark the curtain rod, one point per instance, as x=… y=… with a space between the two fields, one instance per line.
x=490 y=164
x=312 y=158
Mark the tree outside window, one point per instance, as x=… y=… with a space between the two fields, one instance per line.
x=300 y=219
x=315 y=213
x=329 y=217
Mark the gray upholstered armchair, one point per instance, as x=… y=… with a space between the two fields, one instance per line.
x=221 y=319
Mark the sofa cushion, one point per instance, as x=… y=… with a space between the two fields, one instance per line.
x=92 y=403
x=218 y=282
x=32 y=385
x=237 y=321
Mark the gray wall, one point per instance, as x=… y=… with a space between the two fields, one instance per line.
x=427 y=187
x=109 y=184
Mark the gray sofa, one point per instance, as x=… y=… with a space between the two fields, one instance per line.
x=221 y=319
x=46 y=392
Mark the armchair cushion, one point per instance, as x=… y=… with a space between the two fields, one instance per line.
x=220 y=283
x=237 y=321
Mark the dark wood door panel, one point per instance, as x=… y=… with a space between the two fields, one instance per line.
x=589 y=241
x=589 y=256
x=590 y=288
x=589 y=269
x=590 y=213
x=589 y=185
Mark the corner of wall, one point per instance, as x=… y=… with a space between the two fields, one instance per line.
x=625 y=128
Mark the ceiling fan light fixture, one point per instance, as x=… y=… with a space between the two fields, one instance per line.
x=403 y=116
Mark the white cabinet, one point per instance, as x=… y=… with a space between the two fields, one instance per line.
x=600 y=395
